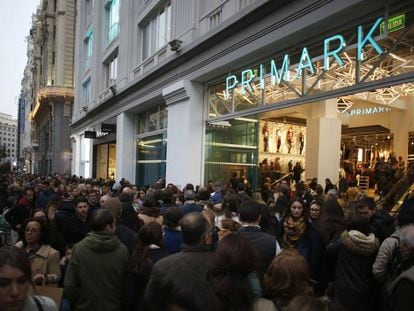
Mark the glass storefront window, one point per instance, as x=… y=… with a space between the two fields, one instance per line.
x=151 y=159
x=106 y=161
x=102 y=161
x=153 y=120
x=232 y=148
x=112 y=161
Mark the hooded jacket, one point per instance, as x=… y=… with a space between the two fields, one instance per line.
x=355 y=286
x=96 y=273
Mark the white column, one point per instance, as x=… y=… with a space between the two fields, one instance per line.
x=125 y=147
x=402 y=122
x=323 y=142
x=185 y=133
x=75 y=155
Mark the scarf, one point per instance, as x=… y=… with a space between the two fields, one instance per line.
x=293 y=231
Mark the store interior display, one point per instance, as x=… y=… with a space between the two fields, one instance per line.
x=280 y=143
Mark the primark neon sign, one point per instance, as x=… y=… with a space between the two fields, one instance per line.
x=305 y=61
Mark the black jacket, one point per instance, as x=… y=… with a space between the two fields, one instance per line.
x=355 y=286
x=401 y=290
x=126 y=236
x=264 y=243
x=129 y=217
x=75 y=230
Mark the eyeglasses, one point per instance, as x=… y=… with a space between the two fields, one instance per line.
x=314 y=210
x=29 y=230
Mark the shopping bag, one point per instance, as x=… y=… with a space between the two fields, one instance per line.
x=55 y=293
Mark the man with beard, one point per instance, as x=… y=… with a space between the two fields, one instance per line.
x=78 y=225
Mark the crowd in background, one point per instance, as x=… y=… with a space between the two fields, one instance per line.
x=115 y=246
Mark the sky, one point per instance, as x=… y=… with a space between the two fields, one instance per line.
x=15 y=22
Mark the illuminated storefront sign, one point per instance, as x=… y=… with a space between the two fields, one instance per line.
x=394 y=23
x=246 y=77
x=367 y=111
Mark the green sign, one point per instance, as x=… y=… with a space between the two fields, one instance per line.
x=394 y=23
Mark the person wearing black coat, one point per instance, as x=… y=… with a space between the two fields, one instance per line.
x=78 y=225
x=195 y=257
x=381 y=223
x=265 y=243
x=299 y=233
x=129 y=215
x=128 y=237
x=148 y=250
x=355 y=286
x=21 y=210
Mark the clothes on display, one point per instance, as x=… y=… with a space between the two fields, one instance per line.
x=265 y=132
x=289 y=139
x=278 y=139
x=301 y=142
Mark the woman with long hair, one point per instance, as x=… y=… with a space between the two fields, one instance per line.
x=232 y=275
x=299 y=233
x=15 y=281
x=287 y=277
x=330 y=225
x=149 y=249
x=44 y=260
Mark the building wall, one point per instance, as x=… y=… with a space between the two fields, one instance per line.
x=48 y=86
x=8 y=137
x=217 y=37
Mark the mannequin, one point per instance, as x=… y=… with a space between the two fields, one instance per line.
x=301 y=142
x=278 y=139
x=265 y=132
x=289 y=139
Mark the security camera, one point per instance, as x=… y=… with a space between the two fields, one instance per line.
x=175 y=45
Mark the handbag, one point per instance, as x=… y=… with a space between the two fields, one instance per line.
x=53 y=292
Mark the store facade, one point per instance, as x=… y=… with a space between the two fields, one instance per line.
x=309 y=81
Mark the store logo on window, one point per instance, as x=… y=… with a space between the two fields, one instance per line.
x=367 y=111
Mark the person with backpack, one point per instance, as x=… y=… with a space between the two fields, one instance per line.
x=401 y=290
x=386 y=265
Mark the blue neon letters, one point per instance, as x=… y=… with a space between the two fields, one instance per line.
x=305 y=61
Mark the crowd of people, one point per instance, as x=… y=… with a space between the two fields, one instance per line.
x=115 y=246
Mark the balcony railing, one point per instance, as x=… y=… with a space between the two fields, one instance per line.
x=150 y=62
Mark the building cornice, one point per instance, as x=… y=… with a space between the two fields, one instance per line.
x=51 y=93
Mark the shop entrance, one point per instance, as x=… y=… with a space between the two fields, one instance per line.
x=267 y=146
x=328 y=113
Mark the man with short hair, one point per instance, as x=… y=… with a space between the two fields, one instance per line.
x=103 y=199
x=97 y=270
x=195 y=254
x=123 y=233
x=93 y=201
x=45 y=195
x=266 y=244
x=401 y=290
x=78 y=225
x=21 y=210
x=190 y=204
x=241 y=191
x=382 y=224
x=217 y=195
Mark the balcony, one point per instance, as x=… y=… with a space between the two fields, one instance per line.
x=150 y=62
x=51 y=93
